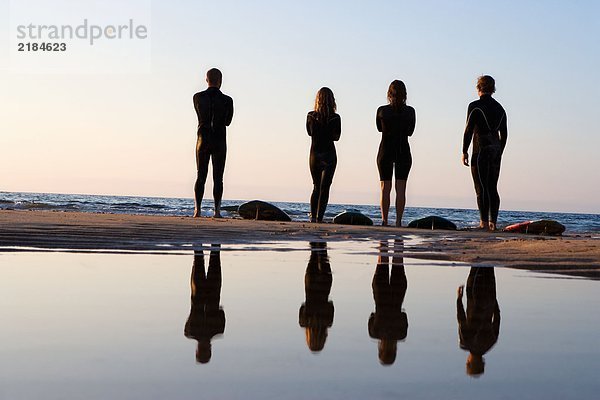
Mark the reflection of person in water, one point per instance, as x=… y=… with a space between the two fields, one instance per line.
x=479 y=327
x=207 y=318
x=389 y=323
x=316 y=314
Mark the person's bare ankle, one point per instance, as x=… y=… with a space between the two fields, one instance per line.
x=492 y=226
x=196 y=214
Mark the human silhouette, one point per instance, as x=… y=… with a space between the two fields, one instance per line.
x=316 y=313
x=396 y=121
x=215 y=111
x=479 y=327
x=207 y=318
x=389 y=323
x=487 y=128
x=324 y=127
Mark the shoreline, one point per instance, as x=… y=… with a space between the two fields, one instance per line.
x=465 y=218
x=76 y=231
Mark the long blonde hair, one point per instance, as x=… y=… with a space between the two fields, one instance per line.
x=325 y=102
x=397 y=94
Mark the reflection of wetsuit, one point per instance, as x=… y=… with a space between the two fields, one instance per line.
x=389 y=323
x=215 y=111
x=479 y=327
x=486 y=126
x=394 y=151
x=323 y=159
x=207 y=318
x=316 y=314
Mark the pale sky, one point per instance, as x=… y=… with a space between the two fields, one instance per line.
x=134 y=133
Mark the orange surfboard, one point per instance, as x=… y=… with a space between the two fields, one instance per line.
x=539 y=227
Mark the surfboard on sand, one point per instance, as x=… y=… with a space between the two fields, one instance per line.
x=262 y=210
x=539 y=227
x=352 y=218
x=433 y=222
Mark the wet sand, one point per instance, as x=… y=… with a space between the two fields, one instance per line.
x=572 y=254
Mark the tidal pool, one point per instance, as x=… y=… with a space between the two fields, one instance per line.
x=346 y=320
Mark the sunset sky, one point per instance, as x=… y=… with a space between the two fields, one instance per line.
x=134 y=132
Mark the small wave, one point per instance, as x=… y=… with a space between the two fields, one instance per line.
x=137 y=205
x=294 y=212
x=156 y=206
x=42 y=206
x=125 y=205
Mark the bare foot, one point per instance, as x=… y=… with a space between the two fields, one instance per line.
x=492 y=226
x=483 y=225
x=196 y=214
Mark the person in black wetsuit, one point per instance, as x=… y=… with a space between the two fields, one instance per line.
x=207 y=318
x=316 y=313
x=396 y=122
x=479 y=327
x=215 y=111
x=486 y=127
x=324 y=126
x=389 y=323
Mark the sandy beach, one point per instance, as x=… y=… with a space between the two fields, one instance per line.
x=42 y=230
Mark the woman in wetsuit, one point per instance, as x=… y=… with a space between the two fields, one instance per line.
x=396 y=122
x=316 y=313
x=389 y=322
x=324 y=127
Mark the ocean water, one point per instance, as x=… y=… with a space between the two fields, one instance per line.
x=463 y=218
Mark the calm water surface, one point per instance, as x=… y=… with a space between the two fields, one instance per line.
x=301 y=321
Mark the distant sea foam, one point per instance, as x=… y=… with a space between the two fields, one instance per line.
x=464 y=218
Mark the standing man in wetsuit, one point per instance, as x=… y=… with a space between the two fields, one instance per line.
x=207 y=318
x=486 y=127
x=479 y=326
x=215 y=111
